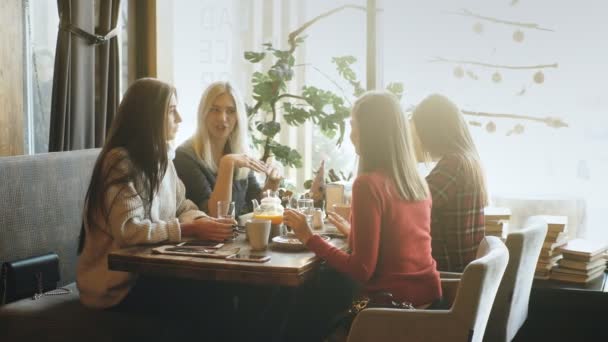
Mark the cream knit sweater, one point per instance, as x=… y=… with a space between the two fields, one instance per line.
x=129 y=225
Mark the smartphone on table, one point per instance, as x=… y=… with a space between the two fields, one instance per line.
x=201 y=243
x=248 y=257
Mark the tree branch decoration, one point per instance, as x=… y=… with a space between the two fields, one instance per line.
x=322 y=107
x=538 y=77
x=467 y=13
x=494 y=66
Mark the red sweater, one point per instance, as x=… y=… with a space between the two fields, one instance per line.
x=390 y=241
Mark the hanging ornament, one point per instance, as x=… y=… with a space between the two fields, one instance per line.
x=518 y=129
x=496 y=77
x=458 y=72
x=478 y=28
x=518 y=36
x=539 y=77
x=491 y=127
x=472 y=75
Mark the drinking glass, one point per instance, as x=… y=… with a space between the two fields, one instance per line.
x=307 y=207
x=225 y=209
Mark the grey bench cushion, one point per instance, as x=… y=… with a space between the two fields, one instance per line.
x=42 y=200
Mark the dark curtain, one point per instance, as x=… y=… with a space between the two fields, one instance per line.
x=85 y=93
x=72 y=106
x=108 y=75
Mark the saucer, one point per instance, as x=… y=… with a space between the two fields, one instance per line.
x=290 y=242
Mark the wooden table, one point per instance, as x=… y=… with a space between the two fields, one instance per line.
x=284 y=268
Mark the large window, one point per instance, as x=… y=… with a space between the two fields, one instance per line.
x=41 y=21
x=469 y=50
x=423 y=44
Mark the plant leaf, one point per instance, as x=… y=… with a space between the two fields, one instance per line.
x=254 y=57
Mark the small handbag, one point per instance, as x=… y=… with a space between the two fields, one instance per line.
x=341 y=325
x=30 y=277
x=378 y=300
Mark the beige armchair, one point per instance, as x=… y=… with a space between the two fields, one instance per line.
x=465 y=321
x=510 y=308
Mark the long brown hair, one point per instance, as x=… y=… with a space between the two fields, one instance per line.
x=385 y=143
x=140 y=129
x=442 y=130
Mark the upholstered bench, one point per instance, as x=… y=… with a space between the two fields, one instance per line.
x=42 y=200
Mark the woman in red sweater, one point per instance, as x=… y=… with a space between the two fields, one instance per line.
x=389 y=232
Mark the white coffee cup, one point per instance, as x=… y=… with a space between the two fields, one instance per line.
x=258 y=231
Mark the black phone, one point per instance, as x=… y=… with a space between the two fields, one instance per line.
x=183 y=249
x=249 y=257
x=201 y=243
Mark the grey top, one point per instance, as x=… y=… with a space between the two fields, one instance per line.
x=200 y=181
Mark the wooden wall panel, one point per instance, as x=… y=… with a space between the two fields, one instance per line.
x=11 y=78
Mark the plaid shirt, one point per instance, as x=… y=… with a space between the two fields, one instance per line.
x=457 y=217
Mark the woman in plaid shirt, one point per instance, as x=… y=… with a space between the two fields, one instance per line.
x=457 y=182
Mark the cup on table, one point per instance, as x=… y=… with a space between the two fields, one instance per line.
x=307 y=207
x=258 y=231
x=317 y=219
x=225 y=209
x=342 y=210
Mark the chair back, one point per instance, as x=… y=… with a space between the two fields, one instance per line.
x=479 y=285
x=510 y=308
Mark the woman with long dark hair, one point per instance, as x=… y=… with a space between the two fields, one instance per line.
x=457 y=182
x=135 y=196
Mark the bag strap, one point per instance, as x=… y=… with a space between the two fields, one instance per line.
x=56 y=292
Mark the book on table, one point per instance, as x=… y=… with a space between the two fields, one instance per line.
x=555 y=224
x=554 y=244
x=584 y=250
x=496 y=214
x=554 y=236
x=576 y=278
x=560 y=269
x=582 y=265
x=549 y=252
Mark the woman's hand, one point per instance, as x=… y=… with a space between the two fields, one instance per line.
x=340 y=222
x=273 y=178
x=209 y=228
x=297 y=222
x=243 y=160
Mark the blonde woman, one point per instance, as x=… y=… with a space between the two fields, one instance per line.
x=215 y=164
x=389 y=231
x=457 y=182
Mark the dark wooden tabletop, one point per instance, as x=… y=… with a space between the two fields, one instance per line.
x=285 y=268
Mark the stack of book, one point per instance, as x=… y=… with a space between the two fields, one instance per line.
x=583 y=261
x=497 y=221
x=550 y=253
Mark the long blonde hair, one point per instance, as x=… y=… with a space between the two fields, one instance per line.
x=442 y=130
x=385 y=143
x=238 y=141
